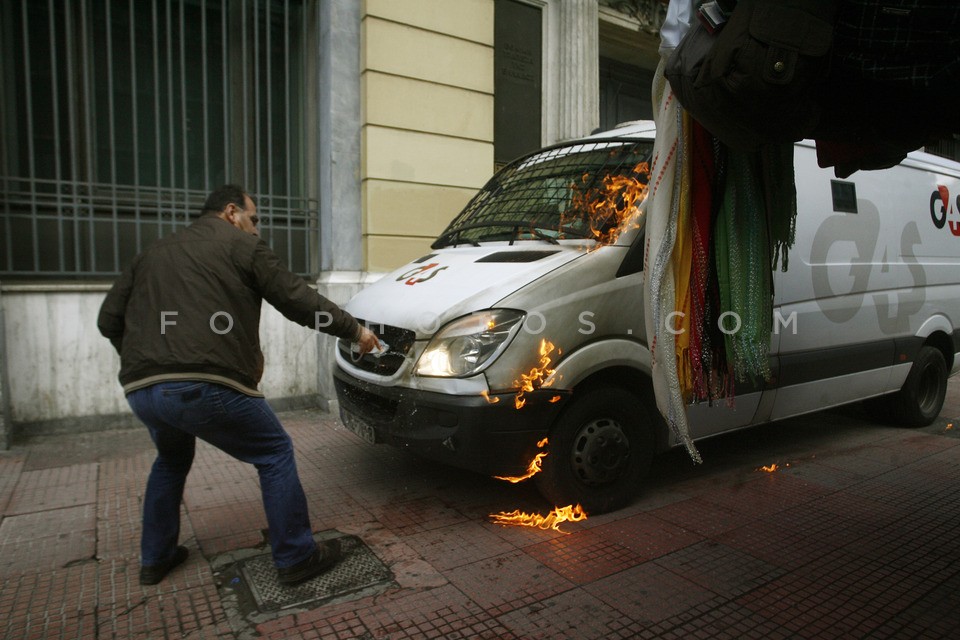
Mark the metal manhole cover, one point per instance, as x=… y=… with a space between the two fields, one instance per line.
x=358 y=570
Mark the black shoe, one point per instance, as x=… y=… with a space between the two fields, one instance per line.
x=322 y=559
x=157 y=572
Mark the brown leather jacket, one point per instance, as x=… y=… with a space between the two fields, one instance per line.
x=188 y=308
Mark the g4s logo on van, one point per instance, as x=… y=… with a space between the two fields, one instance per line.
x=941 y=209
x=858 y=242
x=412 y=278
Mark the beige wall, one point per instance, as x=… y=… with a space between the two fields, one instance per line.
x=427 y=121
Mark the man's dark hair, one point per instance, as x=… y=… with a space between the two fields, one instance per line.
x=220 y=197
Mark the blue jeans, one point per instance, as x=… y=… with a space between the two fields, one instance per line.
x=176 y=414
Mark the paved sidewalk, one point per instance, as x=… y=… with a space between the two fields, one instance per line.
x=853 y=536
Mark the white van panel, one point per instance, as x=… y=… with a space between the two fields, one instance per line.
x=861 y=281
x=822 y=394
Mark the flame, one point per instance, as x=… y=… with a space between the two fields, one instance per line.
x=612 y=206
x=770 y=468
x=555 y=399
x=530 y=381
x=949 y=426
x=533 y=468
x=552 y=520
x=486 y=396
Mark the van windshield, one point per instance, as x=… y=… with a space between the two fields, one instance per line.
x=588 y=190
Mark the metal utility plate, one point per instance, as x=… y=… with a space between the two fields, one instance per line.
x=358 y=572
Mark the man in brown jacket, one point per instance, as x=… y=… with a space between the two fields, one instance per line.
x=185 y=318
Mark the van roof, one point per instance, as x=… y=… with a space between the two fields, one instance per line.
x=647 y=129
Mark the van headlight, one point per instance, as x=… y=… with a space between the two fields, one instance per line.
x=469 y=344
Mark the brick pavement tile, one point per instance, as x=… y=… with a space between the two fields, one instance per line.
x=836 y=595
x=119 y=580
x=915 y=542
x=378 y=494
x=722 y=569
x=323 y=466
x=507 y=582
x=703 y=518
x=795 y=604
x=934 y=614
x=66 y=449
x=334 y=509
x=778 y=544
x=855 y=509
x=185 y=613
x=715 y=619
x=654 y=496
x=584 y=557
x=53 y=488
x=905 y=486
x=50 y=604
x=457 y=545
x=442 y=613
x=230 y=519
x=125 y=475
x=414 y=516
x=341 y=626
x=572 y=615
x=216 y=480
x=907 y=449
x=649 y=593
x=47 y=552
x=920 y=443
x=51 y=523
x=477 y=496
x=814 y=472
x=118 y=524
x=11 y=465
x=865 y=463
x=880 y=562
x=698 y=482
x=766 y=494
x=942 y=466
x=231 y=542
x=647 y=536
x=828 y=527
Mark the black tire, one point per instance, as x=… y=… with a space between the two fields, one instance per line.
x=599 y=449
x=919 y=401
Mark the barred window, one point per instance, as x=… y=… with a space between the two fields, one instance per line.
x=126 y=113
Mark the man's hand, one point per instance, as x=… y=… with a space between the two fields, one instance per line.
x=367 y=341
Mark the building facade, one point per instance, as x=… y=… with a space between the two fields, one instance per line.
x=361 y=128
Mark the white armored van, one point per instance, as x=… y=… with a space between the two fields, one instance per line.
x=519 y=305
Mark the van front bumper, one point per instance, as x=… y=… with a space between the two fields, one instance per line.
x=492 y=436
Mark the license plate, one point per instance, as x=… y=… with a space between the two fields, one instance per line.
x=359 y=427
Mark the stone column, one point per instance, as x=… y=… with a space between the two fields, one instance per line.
x=341 y=225
x=5 y=426
x=571 y=69
x=341 y=222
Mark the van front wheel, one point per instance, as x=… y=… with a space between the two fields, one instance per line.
x=599 y=450
x=919 y=401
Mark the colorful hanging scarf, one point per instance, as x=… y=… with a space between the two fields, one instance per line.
x=717 y=223
x=662 y=206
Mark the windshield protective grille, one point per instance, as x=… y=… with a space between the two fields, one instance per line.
x=587 y=190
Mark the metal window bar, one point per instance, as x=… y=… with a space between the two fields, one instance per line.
x=545 y=193
x=96 y=162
